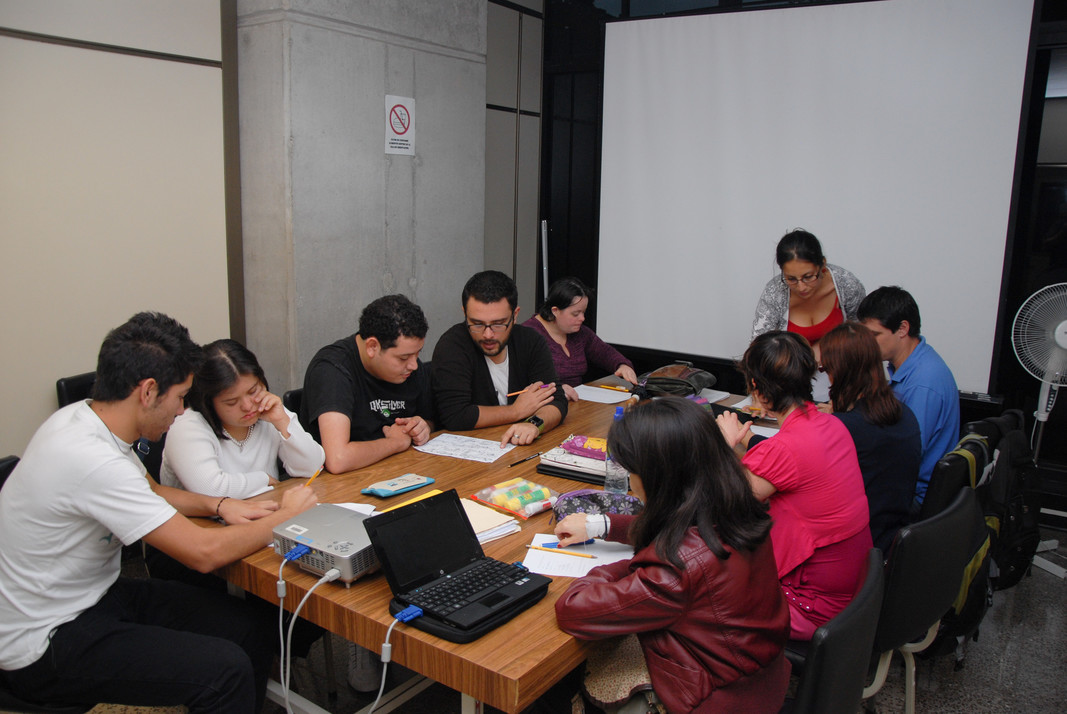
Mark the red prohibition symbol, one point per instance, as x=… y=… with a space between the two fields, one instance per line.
x=399 y=119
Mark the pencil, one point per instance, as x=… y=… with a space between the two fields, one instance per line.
x=612 y=386
x=563 y=552
x=523 y=390
x=308 y=482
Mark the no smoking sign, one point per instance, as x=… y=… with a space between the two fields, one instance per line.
x=399 y=125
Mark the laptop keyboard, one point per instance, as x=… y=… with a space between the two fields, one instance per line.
x=447 y=596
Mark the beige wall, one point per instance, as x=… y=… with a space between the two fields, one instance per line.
x=111 y=188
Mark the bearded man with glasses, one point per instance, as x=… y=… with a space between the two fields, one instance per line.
x=488 y=370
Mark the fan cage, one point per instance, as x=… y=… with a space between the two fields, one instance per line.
x=1032 y=333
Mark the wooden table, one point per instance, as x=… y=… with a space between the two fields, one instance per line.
x=509 y=667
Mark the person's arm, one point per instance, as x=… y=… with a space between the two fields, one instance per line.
x=525 y=432
x=301 y=455
x=453 y=381
x=772 y=308
x=603 y=355
x=343 y=454
x=199 y=505
x=207 y=549
x=622 y=598
x=192 y=455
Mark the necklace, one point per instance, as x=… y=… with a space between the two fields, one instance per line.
x=240 y=442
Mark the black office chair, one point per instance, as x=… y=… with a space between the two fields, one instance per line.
x=7 y=465
x=76 y=388
x=951 y=473
x=923 y=576
x=833 y=666
x=291 y=400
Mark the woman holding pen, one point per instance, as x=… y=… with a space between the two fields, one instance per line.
x=230 y=441
x=573 y=345
x=701 y=592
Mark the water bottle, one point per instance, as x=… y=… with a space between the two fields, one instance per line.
x=616 y=478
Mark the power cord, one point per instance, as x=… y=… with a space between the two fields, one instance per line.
x=408 y=614
x=285 y=641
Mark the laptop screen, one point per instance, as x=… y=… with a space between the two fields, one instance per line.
x=423 y=541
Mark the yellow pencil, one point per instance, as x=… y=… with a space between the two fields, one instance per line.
x=308 y=482
x=562 y=552
x=612 y=386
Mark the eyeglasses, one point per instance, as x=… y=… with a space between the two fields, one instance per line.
x=806 y=279
x=478 y=328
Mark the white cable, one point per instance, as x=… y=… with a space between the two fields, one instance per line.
x=387 y=656
x=287 y=665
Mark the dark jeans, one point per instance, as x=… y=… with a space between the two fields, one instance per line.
x=155 y=643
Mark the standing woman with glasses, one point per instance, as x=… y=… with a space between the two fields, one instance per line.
x=810 y=297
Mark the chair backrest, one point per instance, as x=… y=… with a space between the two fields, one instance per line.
x=76 y=388
x=291 y=400
x=7 y=465
x=835 y=668
x=951 y=473
x=924 y=572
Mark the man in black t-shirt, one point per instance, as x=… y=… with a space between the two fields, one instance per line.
x=366 y=396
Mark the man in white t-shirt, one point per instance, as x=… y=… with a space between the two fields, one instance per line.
x=72 y=631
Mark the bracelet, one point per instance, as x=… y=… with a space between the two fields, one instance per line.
x=217 y=514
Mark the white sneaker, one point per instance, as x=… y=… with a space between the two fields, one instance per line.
x=364 y=669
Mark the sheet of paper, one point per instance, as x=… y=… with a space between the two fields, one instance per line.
x=465 y=447
x=600 y=395
x=767 y=431
x=571 y=566
x=364 y=508
x=713 y=395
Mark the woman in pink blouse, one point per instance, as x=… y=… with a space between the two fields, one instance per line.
x=810 y=476
x=573 y=345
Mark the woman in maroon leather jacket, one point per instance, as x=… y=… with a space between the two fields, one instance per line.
x=701 y=591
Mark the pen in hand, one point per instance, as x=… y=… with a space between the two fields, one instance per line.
x=522 y=461
x=313 y=476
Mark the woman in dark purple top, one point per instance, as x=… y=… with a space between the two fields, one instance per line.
x=573 y=345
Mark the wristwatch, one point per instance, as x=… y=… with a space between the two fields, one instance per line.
x=536 y=421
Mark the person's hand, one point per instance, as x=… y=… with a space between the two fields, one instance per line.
x=626 y=372
x=398 y=433
x=416 y=428
x=519 y=434
x=271 y=481
x=732 y=429
x=571 y=392
x=271 y=410
x=299 y=499
x=825 y=407
x=571 y=530
x=533 y=398
x=234 y=510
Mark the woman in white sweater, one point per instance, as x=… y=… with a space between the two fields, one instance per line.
x=229 y=442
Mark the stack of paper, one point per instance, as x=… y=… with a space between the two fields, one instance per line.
x=559 y=462
x=488 y=524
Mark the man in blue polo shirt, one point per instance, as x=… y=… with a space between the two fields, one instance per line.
x=919 y=376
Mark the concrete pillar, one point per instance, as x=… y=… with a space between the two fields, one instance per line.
x=330 y=221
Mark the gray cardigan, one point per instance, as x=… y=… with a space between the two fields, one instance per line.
x=772 y=310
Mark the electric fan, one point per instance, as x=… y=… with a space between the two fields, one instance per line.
x=1039 y=337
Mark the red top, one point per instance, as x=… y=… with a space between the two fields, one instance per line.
x=819 y=503
x=814 y=333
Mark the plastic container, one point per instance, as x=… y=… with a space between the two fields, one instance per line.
x=616 y=478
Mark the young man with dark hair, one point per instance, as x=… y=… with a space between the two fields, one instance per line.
x=480 y=361
x=72 y=631
x=365 y=396
x=918 y=375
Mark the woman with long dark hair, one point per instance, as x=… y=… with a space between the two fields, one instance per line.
x=229 y=442
x=885 y=430
x=573 y=346
x=809 y=474
x=701 y=592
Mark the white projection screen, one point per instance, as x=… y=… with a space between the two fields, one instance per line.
x=888 y=129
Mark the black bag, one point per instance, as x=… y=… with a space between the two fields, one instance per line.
x=680 y=379
x=1013 y=500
